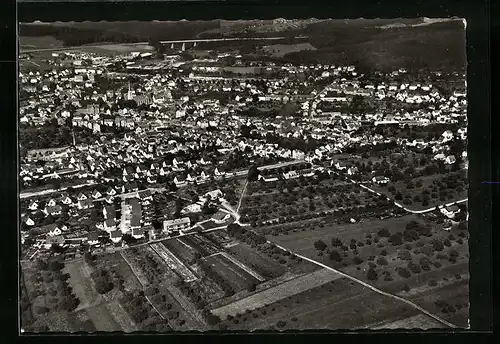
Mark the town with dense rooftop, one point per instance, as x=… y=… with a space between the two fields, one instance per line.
x=240 y=176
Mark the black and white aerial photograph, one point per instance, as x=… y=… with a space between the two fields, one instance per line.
x=243 y=175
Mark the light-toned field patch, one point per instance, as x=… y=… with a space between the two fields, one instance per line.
x=280 y=50
x=102 y=318
x=419 y=321
x=278 y=292
x=81 y=283
x=121 y=317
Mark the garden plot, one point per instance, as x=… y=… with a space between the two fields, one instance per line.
x=173 y=262
x=276 y=293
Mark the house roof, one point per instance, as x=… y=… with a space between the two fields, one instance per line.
x=219 y=215
x=54 y=209
x=92 y=236
x=110 y=210
x=135 y=221
x=110 y=222
x=138 y=231
x=144 y=194
x=453 y=208
x=115 y=234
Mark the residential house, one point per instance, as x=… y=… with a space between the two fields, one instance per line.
x=56 y=240
x=66 y=200
x=54 y=230
x=55 y=210
x=221 y=217
x=96 y=194
x=110 y=191
x=33 y=205
x=81 y=197
x=352 y=170
x=176 y=225
x=450 y=211
x=115 y=236
x=138 y=233
x=340 y=165
x=145 y=195
x=380 y=180
x=447 y=135
x=85 y=204
x=290 y=175
x=51 y=202
x=450 y=159
x=28 y=220
x=109 y=225
x=109 y=212
x=93 y=238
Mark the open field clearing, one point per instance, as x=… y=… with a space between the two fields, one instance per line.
x=42 y=42
x=201 y=244
x=452 y=194
x=102 y=318
x=257 y=261
x=116 y=262
x=70 y=322
x=81 y=283
x=339 y=304
x=303 y=242
x=121 y=48
x=121 y=317
x=450 y=302
x=173 y=262
x=221 y=302
x=181 y=250
x=419 y=321
x=410 y=268
x=135 y=266
x=238 y=278
x=280 y=50
x=218 y=238
x=276 y=293
x=243 y=267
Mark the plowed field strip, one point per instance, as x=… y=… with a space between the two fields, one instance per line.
x=276 y=293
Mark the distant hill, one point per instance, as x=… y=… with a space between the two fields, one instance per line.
x=382 y=44
x=439 y=45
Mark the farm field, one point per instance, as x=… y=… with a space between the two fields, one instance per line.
x=409 y=268
x=180 y=249
x=455 y=194
x=259 y=262
x=281 y=50
x=102 y=318
x=42 y=42
x=201 y=244
x=121 y=317
x=81 y=283
x=116 y=262
x=238 y=278
x=303 y=242
x=173 y=262
x=278 y=292
x=339 y=304
x=420 y=321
